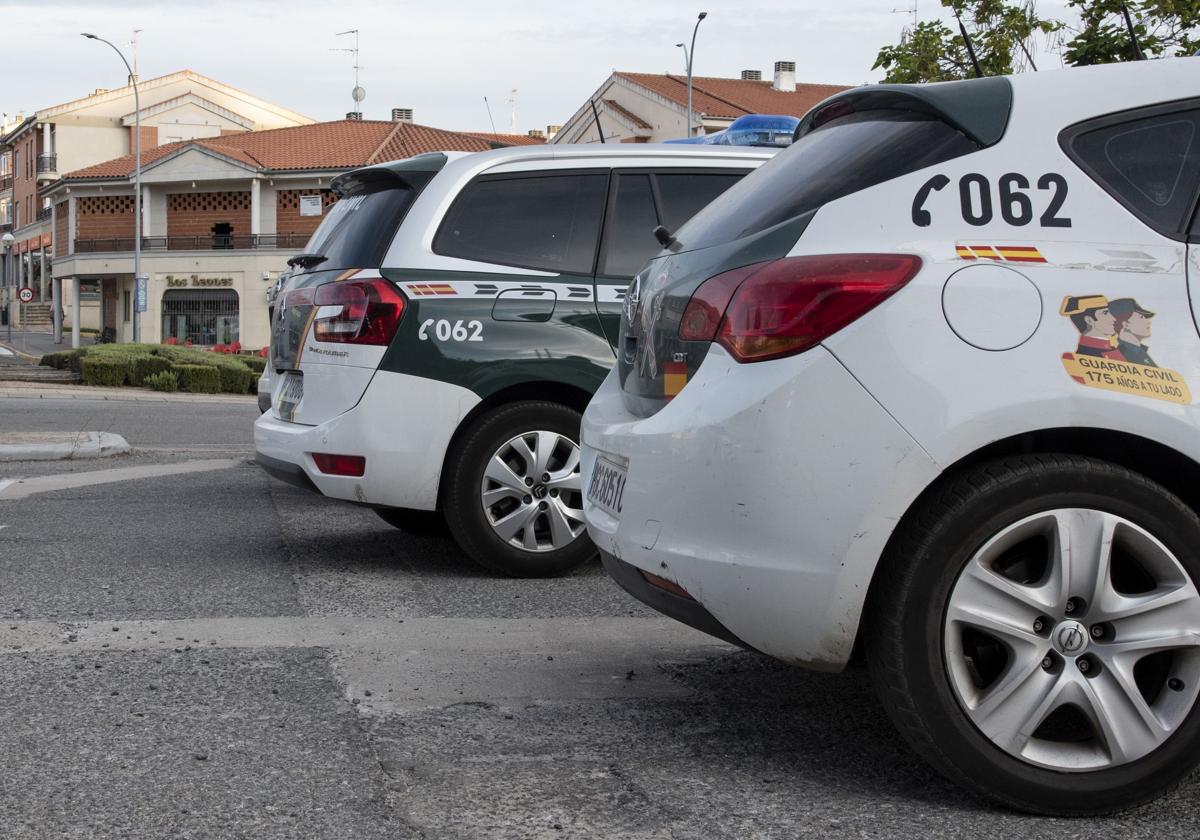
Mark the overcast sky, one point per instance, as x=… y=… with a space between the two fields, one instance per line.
x=439 y=58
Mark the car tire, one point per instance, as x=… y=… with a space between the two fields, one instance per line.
x=413 y=521
x=953 y=645
x=482 y=516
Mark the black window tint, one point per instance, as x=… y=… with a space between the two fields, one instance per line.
x=546 y=222
x=686 y=194
x=845 y=155
x=629 y=236
x=358 y=227
x=1151 y=165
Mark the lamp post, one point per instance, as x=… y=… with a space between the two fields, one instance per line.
x=690 y=56
x=137 y=186
x=7 y=241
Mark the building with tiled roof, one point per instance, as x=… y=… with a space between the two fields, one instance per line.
x=180 y=106
x=650 y=108
x=221 y=215
x=533 y=138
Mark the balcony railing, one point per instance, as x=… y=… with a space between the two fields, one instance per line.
x=231 y=242
x=47 y=163
x=6 y=182
x=45 y=213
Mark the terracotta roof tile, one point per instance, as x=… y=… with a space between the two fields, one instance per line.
x=342 y=144
x=718 y=97
x=509 y=139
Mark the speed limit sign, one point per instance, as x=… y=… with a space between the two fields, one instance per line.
x=25 y=295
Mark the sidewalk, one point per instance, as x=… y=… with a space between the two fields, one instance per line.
x=27 y=343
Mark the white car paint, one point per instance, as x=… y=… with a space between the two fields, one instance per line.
x=774 y=487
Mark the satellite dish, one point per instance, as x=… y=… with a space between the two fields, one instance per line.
x=358 y=94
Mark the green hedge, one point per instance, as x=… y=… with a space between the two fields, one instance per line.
x=235 y=380
x=146 y=366
x=198 y=379
x=58 y=360
x=101 y=371
x=256 y=363
x=164 y=380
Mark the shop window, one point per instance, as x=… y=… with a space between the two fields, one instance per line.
x=201 y=316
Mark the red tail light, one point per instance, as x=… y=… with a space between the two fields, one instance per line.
x=352 y=465
x=787 y=306
x=358 y=312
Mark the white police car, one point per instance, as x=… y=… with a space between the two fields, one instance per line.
x=925 y=382
x=434 y=347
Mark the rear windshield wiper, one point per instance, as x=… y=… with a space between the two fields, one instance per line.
x=307 y=260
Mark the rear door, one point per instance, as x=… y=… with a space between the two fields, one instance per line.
x=639 y=201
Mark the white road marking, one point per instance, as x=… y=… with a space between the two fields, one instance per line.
x=4 y=482
x=4 y=351
x=23 y=487
x=421 y=662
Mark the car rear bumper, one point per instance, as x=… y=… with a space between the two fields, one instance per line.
x=767 y=491
x=402 y=426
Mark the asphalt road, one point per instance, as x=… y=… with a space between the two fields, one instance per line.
x=213 y=654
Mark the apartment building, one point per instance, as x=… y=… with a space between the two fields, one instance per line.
x=69 y=136
x=651 y=108
x=222 y=215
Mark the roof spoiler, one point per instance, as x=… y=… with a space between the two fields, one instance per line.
x=979 y=108
x=414 y=173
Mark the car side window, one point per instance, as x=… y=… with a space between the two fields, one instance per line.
x=685 y=194
x=548 y=222
x=629 y=235
x=1150 y=164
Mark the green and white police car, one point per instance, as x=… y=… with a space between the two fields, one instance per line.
x=451 y=318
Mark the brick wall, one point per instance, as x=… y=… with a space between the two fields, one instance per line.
x=287 y=211
x=149 y=137
x=102 y=217
x=194 y=214
x=62 y=228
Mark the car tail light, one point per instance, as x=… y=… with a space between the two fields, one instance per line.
x=787 y=306
x=351 y=465
x=358 y=312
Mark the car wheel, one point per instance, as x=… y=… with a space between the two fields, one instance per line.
x=1034 y=632
x=513 y=498
x=413 y=521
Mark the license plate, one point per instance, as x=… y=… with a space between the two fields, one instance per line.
x=288 y=395
x=607 y=488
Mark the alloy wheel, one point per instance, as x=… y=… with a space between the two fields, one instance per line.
x=1071 y=639
x=531 y=492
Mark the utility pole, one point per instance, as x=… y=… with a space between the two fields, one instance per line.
x=691 y=55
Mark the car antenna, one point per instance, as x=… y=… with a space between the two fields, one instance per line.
x=1138 y=55
x=970 y=46
x=596 y=114
x=487 y=105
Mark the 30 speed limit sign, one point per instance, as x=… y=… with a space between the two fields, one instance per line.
x=25 y=295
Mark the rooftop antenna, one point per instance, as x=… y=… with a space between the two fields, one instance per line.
x=487 y=105
x=910 y=10
x=1138 y=55
x=133 y=43
x=358 y=94
x=970 y=47
x=512 y=104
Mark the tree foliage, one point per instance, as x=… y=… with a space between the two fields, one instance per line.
x=1163 y=28
x=1001 y=34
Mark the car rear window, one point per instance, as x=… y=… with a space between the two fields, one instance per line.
x=359 y=226
x=845 y=155
x=1151 y=163
x=547 y=222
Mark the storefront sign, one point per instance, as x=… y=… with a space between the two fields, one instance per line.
x=310 y=205
x=196 y=281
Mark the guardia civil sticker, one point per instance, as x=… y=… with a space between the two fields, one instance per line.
x=1113 y=353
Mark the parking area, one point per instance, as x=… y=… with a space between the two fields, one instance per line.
x=191 y=649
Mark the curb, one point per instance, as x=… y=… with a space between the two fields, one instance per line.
x=83 y=445
x=21 y=354
x=65 y=391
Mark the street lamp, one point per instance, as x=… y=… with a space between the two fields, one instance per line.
x=7 y=241
x=690 y=56
x=137 y=186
